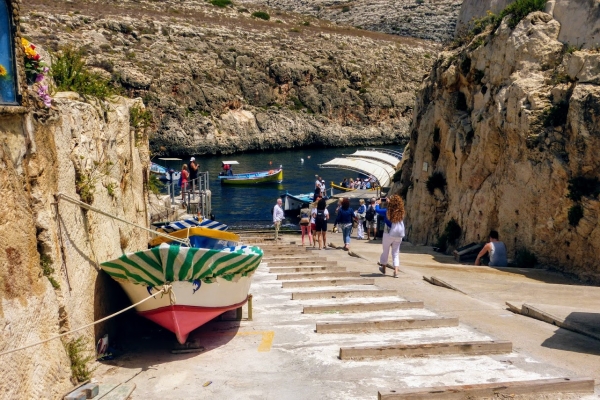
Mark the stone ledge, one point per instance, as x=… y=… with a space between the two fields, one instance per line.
x=13 y=110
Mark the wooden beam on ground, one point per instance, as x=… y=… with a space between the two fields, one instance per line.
x=297 y=256
x=303 y=263
x=328 y=282
x=283 y=270
x=438 y=282
x=390 y=324
x=341 y=294
x=491 y=390
x=474 y=348
x=362 y=307
x=317 y=275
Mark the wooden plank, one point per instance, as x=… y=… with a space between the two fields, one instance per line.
x=339 y=294
x=438 y=282
x=317 y=275
x=426 y=349
x=303 y=263
x=316 y=268
x=328 y=282
x=362 y=307
x=492 y=390
x=292 y=257
x=390 y=324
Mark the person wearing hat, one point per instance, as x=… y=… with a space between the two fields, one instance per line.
x=193 y=172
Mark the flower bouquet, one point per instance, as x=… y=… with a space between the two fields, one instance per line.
x=35 y=71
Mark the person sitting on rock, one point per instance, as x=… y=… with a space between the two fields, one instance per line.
x=496 y=250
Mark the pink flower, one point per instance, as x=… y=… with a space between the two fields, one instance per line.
x=39 y=78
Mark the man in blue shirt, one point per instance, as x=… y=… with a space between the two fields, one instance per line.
x=496 y=250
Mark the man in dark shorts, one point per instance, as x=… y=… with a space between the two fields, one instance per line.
x=193 y=173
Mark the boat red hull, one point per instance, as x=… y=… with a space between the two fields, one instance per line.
x=181 y=320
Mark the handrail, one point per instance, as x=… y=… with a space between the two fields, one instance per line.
x=81 y=204
x=395 y=153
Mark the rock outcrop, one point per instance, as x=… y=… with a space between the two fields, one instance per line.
x=49 y=261
x=433 y=20
x=219 y=80
x=505 y=136
x=579 y=19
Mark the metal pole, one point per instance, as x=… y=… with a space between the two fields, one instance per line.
x=171 y=185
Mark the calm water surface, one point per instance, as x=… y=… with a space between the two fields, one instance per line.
x=250 y=206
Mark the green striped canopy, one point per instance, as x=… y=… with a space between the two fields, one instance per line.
x=167 y=263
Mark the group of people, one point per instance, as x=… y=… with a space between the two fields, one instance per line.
x=187 y=176
x=367 y=183
x=313 y=223
x=320 y=189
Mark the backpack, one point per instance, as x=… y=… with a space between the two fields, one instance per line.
x=180 y=179
x=370 y=214
x=396 y=230
x=320 y=217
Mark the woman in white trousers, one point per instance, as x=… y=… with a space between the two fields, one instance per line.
x=393 y=232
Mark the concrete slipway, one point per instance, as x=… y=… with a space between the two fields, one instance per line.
x=280 y=355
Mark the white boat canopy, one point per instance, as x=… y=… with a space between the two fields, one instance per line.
x=381 y=171
x=230 y=162
x=169 y=159
x=390 y=159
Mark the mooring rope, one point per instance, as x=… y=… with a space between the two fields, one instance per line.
x=81 y=204
x=165 y=289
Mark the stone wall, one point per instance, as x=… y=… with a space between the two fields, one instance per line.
x=74 y=139
x=579 y=19
x=509 y=120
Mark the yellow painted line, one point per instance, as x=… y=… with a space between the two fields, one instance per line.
x=265 y=343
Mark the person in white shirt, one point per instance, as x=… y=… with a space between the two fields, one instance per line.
x=277 y=217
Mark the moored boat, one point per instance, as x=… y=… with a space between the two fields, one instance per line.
x=202 y=283
x=192 y=222
x=200 y=237
x=295 y=202
x=227 y=177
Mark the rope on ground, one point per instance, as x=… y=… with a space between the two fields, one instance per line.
x=166 y=289
x=81 y=204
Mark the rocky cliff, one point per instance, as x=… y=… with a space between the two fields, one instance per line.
x=579 y=19
x=219 y=80
x=49 y=277
x=433 y=20
x=505 y=136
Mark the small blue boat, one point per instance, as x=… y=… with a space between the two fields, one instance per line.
x=296 y=202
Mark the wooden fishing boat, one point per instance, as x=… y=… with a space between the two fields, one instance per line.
x=200 y=238
x=295 y=202
x=201 y=283
x=251 y=178
x=189 y=223
x=338 y=187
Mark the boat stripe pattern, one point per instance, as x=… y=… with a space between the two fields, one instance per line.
x=187 y=223
x=163 y=264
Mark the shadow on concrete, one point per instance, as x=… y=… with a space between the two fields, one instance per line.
x=542 y=275
x=149 y=344
x=566 y=339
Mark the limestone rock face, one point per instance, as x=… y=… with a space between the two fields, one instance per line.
x=509 y=120
x=218 y=80
x=579 y=19
x=433 y=20
x=77 y=149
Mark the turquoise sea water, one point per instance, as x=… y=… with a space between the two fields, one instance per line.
x=250 y=206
